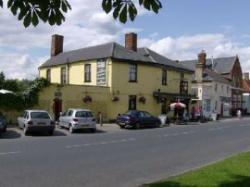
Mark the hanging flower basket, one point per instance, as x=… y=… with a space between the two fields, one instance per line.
x=115 y=98
x=142 y=99
x=87 y=99
x=163 y=99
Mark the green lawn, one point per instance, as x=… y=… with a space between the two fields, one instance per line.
x=232 y=172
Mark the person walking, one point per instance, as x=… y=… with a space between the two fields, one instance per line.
x=239 y=114
x=99 y=117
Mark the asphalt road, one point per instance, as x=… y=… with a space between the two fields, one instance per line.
x=116 y=158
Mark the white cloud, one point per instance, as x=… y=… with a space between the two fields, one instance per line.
x=23 y=50
x=188 y=47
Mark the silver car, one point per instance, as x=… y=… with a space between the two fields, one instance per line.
x=75 y=119
x=36 y=121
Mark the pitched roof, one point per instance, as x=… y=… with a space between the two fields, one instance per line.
x=210 y=75
x=221 y=65
x=115 y=51
x=159 y=59
x=246 y=85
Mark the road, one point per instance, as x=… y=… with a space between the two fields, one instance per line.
x=116 y=158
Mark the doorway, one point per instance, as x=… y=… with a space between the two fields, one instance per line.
x=132 y=102
x=57 y=108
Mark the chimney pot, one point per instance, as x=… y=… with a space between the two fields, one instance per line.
x=131 y=41
x=202 y=58
x=200 y=66
x=56 y=45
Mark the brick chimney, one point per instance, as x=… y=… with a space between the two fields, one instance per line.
x=56 y=45
x=131 y=41
x=200 y=66
x=246 y=76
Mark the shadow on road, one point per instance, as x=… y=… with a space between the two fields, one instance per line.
x=40 y=134
x=10 y=134
x=89 y=131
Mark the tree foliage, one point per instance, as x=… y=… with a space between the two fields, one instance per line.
x=26 y=95
x=53 y=11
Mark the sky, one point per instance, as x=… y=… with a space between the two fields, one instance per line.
x=180 y=31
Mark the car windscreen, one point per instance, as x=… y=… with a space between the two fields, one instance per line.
x=83 y=114
x=39 y=115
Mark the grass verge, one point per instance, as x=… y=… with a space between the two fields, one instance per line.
x=232 y=172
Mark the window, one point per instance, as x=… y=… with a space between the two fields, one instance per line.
x=133 y=73
x=83 y=114
x=87 y=73
x=215 y=87
x=39 y=115
x=63 y=75
x=184 y=87
x=101 y=72
x=69 y=113
x=207 y=105
x=132 y=102
x=215 y=107
x=48 y=75
x=164 y=77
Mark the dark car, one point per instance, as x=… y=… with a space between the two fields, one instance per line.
x=3 y=124
x=137 y=119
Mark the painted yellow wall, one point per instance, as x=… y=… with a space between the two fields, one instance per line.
x=72 y=97
x=149 y=80
x=76 y=73
x=42 y=73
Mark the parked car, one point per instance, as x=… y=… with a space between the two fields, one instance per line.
x=137 y=119
x=3 y=123
x=76 y=119
x=36 y=121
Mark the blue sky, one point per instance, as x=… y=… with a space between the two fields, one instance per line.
x=180 y=31
x=180 y=17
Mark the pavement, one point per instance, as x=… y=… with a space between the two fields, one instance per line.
x=115 y=157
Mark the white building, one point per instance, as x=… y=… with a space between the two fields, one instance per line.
x=213 y=91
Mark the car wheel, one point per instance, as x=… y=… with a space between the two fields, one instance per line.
x=71 y=129
x=93 y=130
x=25 y=131
x=137 y=125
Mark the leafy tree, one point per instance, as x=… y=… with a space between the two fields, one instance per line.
x=11 y=85
x=52 y=11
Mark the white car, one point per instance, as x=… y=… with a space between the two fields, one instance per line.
x=36 y=121
x=74 y=119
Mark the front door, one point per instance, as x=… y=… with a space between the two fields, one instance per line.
x=132 y=102
x=164 y=106
x=57 y=108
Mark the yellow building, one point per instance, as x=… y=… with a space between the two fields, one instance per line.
x=112 y=79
